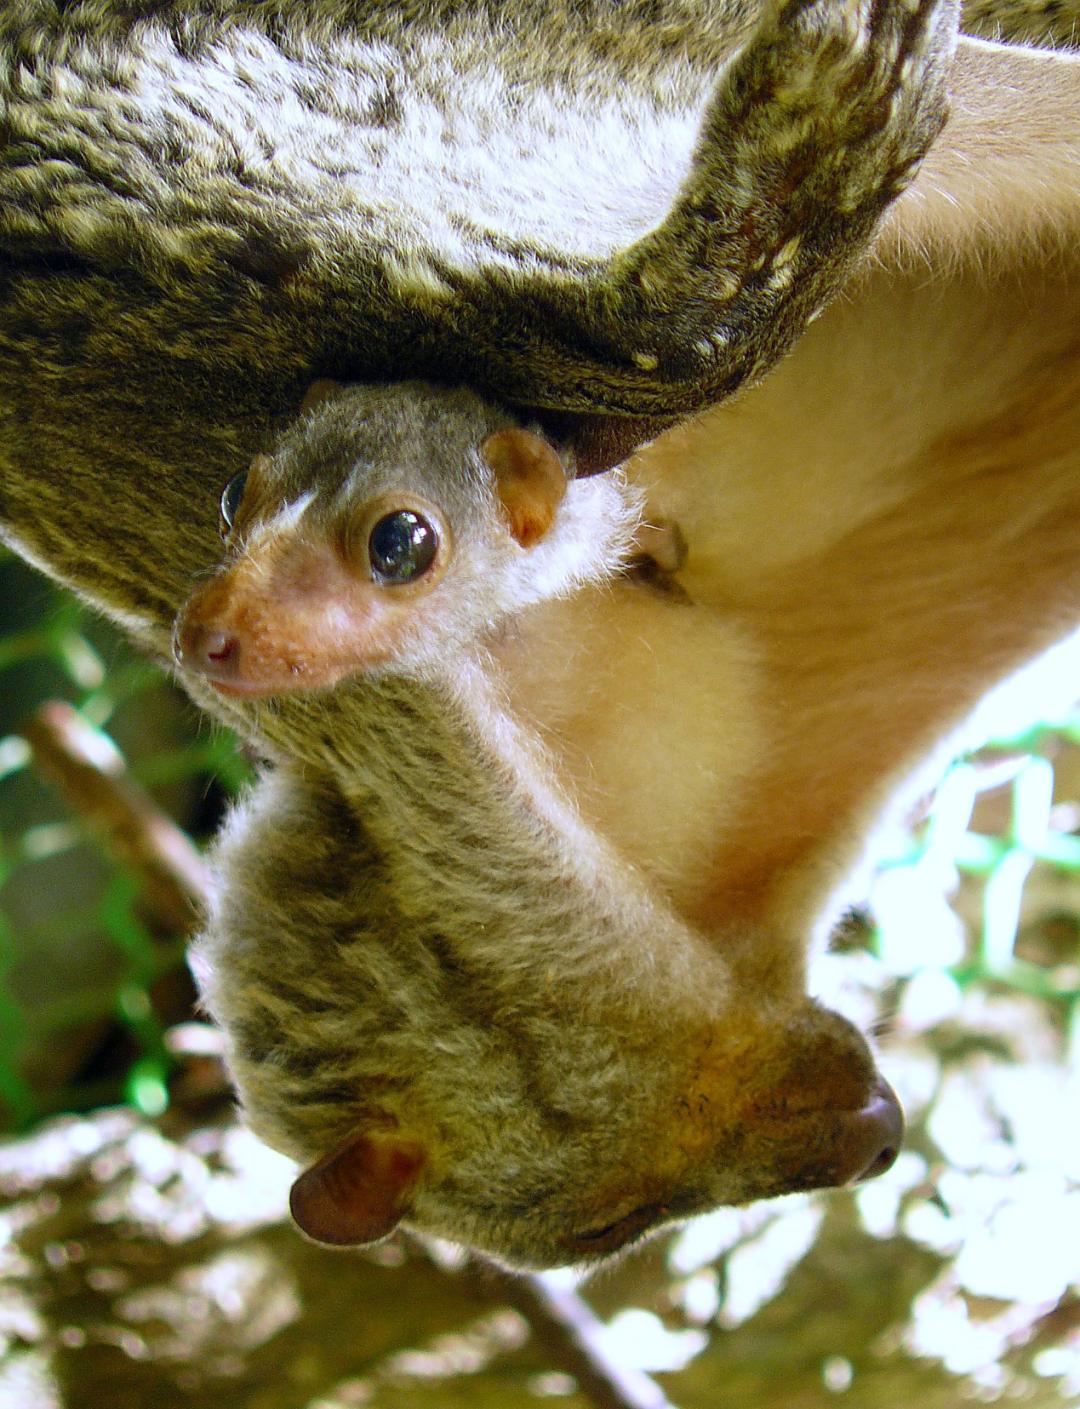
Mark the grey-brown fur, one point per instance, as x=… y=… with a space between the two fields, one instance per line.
x=402 y=173
x=1053 y=24
x=419 y=932
x=298 y=599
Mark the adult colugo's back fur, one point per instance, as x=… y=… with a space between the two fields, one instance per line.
x=609 y=209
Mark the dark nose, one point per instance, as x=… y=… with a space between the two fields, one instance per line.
x=871 y=1138
x=213 y=653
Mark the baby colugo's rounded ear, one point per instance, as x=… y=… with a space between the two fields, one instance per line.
x=530 y=478
x=360 y=1191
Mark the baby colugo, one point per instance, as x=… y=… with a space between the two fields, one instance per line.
x=441 y=990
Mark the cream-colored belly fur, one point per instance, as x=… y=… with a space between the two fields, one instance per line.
x=879 y=532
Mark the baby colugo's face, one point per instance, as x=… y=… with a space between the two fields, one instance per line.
x=392 y=526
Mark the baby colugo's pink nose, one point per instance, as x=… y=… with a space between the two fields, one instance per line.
x=207 y=650
x=218 y=647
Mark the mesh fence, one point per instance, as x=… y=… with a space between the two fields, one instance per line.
x=997 y=856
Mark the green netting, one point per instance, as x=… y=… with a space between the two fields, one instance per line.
x=1038 y=833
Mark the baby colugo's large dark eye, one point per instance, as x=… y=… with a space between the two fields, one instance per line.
x=231 y=497
x=402 y=547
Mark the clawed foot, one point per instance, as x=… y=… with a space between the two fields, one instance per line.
x=659 y=552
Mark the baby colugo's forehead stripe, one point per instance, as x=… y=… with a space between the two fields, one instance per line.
x=358 y=486
x=286 y=517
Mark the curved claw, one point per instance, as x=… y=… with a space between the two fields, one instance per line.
x=816 y=125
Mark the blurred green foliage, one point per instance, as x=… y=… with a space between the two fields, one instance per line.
x=78 y=961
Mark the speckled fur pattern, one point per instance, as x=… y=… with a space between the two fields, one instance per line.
x=227 y=201
x=1052 y=24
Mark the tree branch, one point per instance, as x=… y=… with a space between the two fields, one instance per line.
x=91 y=776
x=570 y=1332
